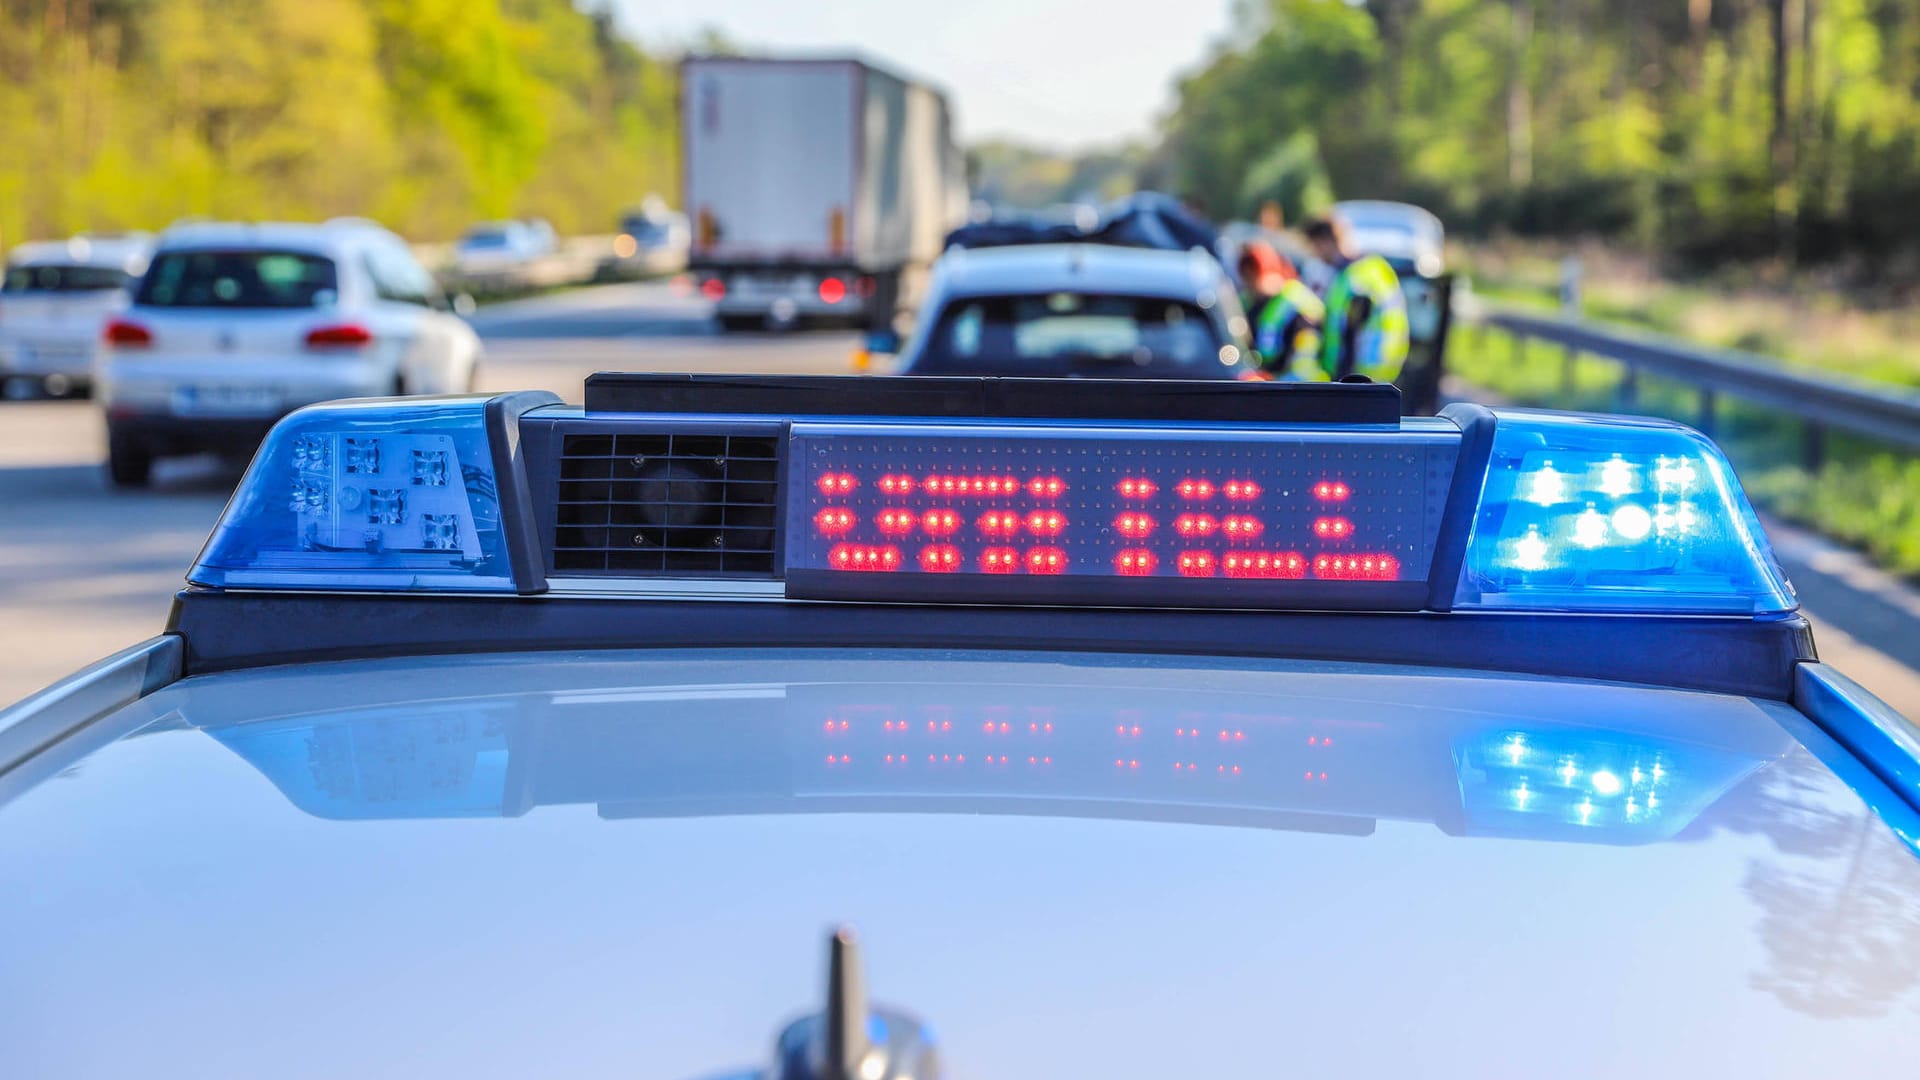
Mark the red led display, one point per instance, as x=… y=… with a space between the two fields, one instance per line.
x=999 y=523
x=1272 y=565
x=1046 y=560
x=1356 y=567
x=1196 y=564
x=1046 y=522
x=1244 y=512
x=999 y=560
x=833 y=521
x=1195 y=489
x=940 y=558
x=1195 y=525
x=1241 y=527
x=864 y=557
x=896 y=522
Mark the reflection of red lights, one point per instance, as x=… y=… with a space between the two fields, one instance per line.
x=1125 y=731
x=1233 y=736
x=940 y=522
x=835 y=725
x=941 y=485
x=939 y=725
x=837 y=483
x=833 y=521
x=1311 y=775
x=1195 y=524
x=940 y=558
x=1046 y=560
x=1135 y=562
x=999 y=523
x=1191 y=488
x=1265 y=564
x=1045 y=487
x=1233 y=770
x=1196 y=564
x=999 y=560
x=895 y=484
x=1241 y=490
x=1356 y=567
x=1316 y=740
x=1137 y=488
x=1331 y=491
x=1332 y=528
x=896 y=522
x=1186 y=766
x=1241 y=527
x=1046 y=522
x=1134 y=525
x=992 y=728
x=864 y=557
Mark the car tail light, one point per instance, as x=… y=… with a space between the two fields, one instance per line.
x=126 y=335
x=343 y=336
x=713 y=289
x=832 y=290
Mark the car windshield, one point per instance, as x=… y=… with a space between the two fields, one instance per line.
x=239 y=279
x=1076 y=333
x=55 y=277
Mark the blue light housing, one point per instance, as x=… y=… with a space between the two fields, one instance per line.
x=382 y=495
x=1615 y=514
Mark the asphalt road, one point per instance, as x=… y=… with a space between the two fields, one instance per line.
x=85 y=570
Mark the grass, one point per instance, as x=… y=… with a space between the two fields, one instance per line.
x=1860 y=494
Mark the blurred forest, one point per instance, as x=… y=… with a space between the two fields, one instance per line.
x=424 y=114
x=1710 y=130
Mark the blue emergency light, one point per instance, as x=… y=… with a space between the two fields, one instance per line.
x=1552 y=513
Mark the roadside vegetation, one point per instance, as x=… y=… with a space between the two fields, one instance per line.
x=427 y=115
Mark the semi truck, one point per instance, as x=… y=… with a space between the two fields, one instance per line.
x=819 y=190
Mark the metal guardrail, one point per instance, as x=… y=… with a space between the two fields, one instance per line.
x=1880 y=413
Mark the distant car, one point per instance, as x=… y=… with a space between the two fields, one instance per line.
x=1410 y=238
x=53 y=301
x=500 y=248
x=1080 y=311
x=652 y=241
x=234 y=326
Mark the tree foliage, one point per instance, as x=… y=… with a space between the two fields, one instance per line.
x=425 y=114
x=1721 y=128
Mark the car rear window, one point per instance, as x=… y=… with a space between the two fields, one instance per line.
x=49 y=277
x=1068 y=333
x=239 y=279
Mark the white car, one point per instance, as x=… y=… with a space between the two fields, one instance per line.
x=502 y=248
x=55 y=297
x=1410 y=238
x=234 y=326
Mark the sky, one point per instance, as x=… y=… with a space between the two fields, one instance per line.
x=1063 y=74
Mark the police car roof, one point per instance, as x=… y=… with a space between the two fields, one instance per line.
x=1091 y=268
x=624 y=854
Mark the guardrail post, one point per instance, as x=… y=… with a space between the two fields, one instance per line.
x=1706 y=410
x=1627 y=392
x=1815 y=445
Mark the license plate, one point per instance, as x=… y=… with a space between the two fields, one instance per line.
x=46 y=359
x=226 y=400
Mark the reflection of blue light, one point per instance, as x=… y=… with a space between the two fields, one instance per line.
x=876 y=1028
x=1611 y=789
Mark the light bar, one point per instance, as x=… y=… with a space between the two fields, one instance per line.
x=1091 y=515
x=366 y=495
x=1475 y=510
x=1587 y=513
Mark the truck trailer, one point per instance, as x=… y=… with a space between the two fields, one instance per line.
x=820 y=190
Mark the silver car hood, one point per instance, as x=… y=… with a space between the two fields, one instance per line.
x=593 y=866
